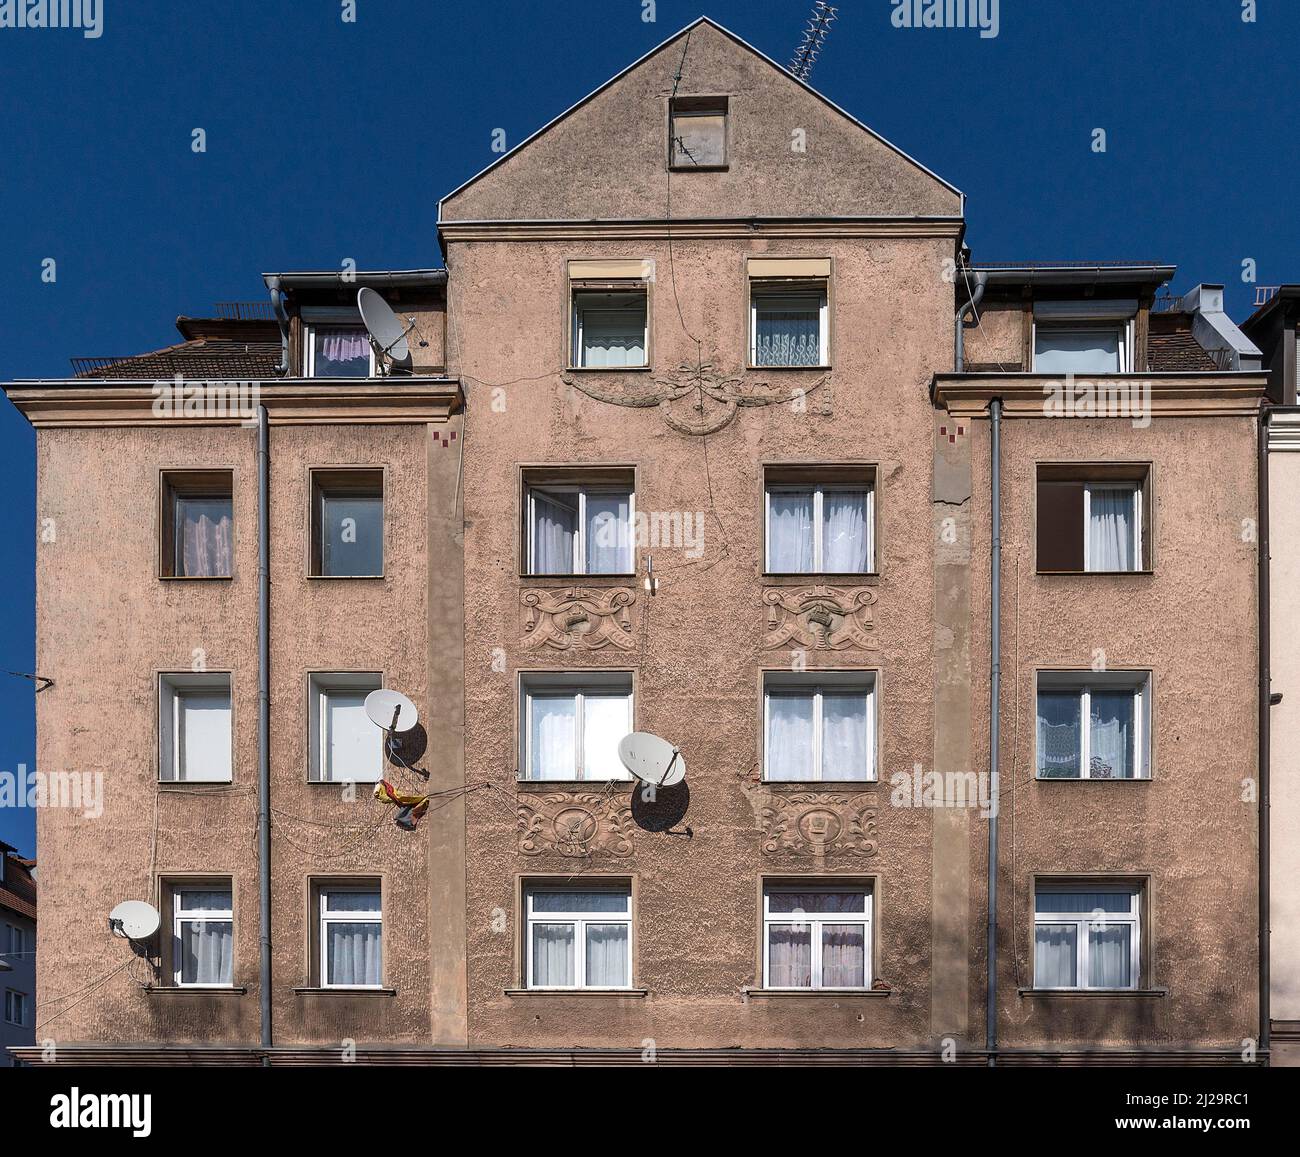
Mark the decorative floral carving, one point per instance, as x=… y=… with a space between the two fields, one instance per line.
x=818 y=616
x=695 y=399
x=817 y=824
x=578 y=617
x=575 y=825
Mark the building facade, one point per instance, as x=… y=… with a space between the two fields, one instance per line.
x=724 y=438
x=17 y=952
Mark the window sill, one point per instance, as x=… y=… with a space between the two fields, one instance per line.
x=1097 y=779
x=609 y=369
x=792 y=578
x=1095 y=573
x=1109 y=993
x=195 y=578
x=786 y=369
x=339 y=991
x=819 y=784
x=544 y=785
x=698 y=168
x=332 y=578
x=340 y=782
x=197 y=785
x=819 y=993
x=196 y=990
x=639 y=993
x=586 y=580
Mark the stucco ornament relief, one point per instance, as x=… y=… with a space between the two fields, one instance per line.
x=820 y=616
x=817 y=824
x=571 y=617
x=696 y=399
x=575 y=825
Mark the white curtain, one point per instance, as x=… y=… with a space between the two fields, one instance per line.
x=844 y=533
x=1109 y=956
x=605 y=720
x=1055 y=956
x=614 y=337
x=1059 y=749
x=553 y=742
x=354 y=953
x=844 y=736
x=787 y=330
x=553 y=955
x=789 y=955
x=1112 y=732
x=607 y=955
x=790 y=532
x=555 y=524
x=1110 y=529
x=205 y=946
x=204 y=530
x=609 y=534
x=789 y=736
x=844 y=955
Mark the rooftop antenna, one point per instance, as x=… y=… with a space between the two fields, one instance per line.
x=814 y=37
x=386 y=331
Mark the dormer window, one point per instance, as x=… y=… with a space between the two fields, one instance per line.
x=697 y=127
x=1083 y=337
x=335 y=343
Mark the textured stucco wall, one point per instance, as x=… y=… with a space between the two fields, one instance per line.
x=998 y=339
x=1192 y=623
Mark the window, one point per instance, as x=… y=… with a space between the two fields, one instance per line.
x=571 y=727
x=347 y=523
x=787 y=326
x=351 y=936
x=13 y=943
x=579 y=939
x=816 y=936
x=339 y=351
x=1095 y=523
x=15 y=1007
x=609 y=328
x=343 y=744
x=819 y=726
x=579 y=527
x=1087 y=936
x=194 y=727
x=1093 y=725
x=697 y=132
x=197 y=524
x=1083 y=337
x=822 y=524
x=203 y=926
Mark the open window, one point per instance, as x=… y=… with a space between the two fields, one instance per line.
x=1094 y=724
x=789 y=312
x=697 y=132
x=335 y=343
x=197 y=524
x=571 y=724
x=1094 y=518
x=609 y=314
x=579 y=522
x=347 y=532
x=194 y=727
x=1084 y=337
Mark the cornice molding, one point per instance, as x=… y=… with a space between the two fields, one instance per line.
x=1192 y=395
x=301 y=401
x=689 y=230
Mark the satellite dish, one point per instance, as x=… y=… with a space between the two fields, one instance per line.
x=651 y=759
x=134 y=920
x=391 y=710
x=387 y=333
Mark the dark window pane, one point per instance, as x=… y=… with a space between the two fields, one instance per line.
x=1060 y=525
x=352 y=535
x=203 y=536
x=340 y=352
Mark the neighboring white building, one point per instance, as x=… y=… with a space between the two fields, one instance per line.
x=17 y=952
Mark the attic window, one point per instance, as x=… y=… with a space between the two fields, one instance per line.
x=697 y=128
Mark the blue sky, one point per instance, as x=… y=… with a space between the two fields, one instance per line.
x=328 y=140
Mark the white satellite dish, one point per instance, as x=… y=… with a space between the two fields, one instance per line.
x=387 y=333
x=651 y=759
x=134 y=920
x=391 y=710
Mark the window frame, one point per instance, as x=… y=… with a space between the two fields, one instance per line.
x=577 y=685
x=819 y=683
x=1083 y=683
x=817 y=919
x=171 y=690
x=320 y=684
x=794 y=287
x=699 y=105
x=1123 y=328
x=15 y=941
x=358 y=481
x=577 y=347
x=579 y=560
x=580 y=922
x=819 y=488
x=323 y=918
x=186 y=482
x=309 y=346
x=1081 y=920
x=15 y=1010
x=181 y=915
